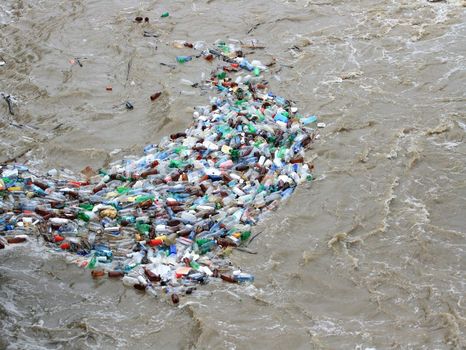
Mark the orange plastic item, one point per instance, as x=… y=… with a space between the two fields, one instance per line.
x=58 y=238
x=97 y=273
x=155 y=242
x=65 y=246
x=181 y=271
x=77 y=183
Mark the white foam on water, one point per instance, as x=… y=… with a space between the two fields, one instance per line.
x=462 y=125
x=418 y=208
x=6 y=14
x=449 y=145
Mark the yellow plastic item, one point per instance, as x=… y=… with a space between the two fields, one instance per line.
x=226 y=149
x=109 y=212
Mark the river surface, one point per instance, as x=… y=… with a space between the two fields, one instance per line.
x=371 y=255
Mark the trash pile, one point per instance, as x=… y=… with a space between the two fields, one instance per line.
x=165 y=222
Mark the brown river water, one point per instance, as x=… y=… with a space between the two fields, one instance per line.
x=371 y=255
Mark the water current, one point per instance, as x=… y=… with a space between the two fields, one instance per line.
x=371 y=255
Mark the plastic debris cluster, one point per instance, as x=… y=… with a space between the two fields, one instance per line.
x=165 y=222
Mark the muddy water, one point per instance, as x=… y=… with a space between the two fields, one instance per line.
x=371 y=255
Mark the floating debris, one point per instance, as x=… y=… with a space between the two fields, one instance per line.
x=166 y=222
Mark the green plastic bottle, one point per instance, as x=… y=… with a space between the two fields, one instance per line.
x=180 y=149
x=234 y=153
x=261 y=116
x=245 y=235
x=144 y=198
x=122 y=190
x=183 y=59
x=92 y=263
x=281 y=152
x=223 y=46
x=82 y=215
x=143 y=228
x=202 y=241
x=194 y=265
x=174 y=163
x=86 y=206
x=252 y=129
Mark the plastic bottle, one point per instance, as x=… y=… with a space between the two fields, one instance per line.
x=183 y=59
x=309 y=120
x=130 y=281
x=242 y=277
